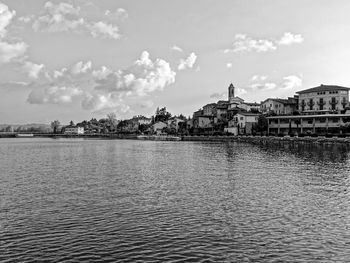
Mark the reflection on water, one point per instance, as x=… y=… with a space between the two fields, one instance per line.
x=130 y=201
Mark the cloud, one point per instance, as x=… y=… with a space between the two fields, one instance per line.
x=244 y=43
x=33 y=70
x=65 y=17
x=104 y=30
x=5 y=18
x=9 y=52
x=263 y=86
x=26 y=19
x=228 y=65
x=119 y=14
x=81 y=67
x=53 y=95
x=289 y=38
x=259 y=78
x=143 y=77
x=188 y=62
x=101 y=73
x=58 y=18
x=101 y=103
x=219 y=96
x=292 y=82
x=176 y=48
x=99 y=89
x=240 y=91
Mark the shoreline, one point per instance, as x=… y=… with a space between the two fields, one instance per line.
x=225 y=138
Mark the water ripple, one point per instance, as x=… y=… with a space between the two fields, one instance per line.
x=131 y=201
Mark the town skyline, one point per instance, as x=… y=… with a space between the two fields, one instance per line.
x=76 y=60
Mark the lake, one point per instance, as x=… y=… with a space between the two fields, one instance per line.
x=72 y=200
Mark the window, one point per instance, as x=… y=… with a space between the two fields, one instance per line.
x=333 y=103
x=309 y=121
x=241 y=118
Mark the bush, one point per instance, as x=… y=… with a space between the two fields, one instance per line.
x=329 y=135
x=280 y=135
x=302 y=135
x=314 y=135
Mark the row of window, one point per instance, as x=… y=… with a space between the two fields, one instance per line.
x=330 y=92
x=308 y=121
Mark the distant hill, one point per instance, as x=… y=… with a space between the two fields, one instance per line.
x=30 y=126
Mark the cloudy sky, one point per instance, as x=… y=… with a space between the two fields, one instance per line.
x=78 y=59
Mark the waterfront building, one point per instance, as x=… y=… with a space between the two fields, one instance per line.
x=279 y=106
x=316 y=124
x=158 y=127
x=173 y=123
x=73 y=130
x=323 y=99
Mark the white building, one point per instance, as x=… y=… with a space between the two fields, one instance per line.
x=74 y=130
x=324 y=98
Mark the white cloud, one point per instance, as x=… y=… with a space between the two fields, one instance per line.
x=244 y=43
x=289 y=38
x=33 y=70
x=100 y=89
x=188 y=62
x=219 y=96
x=9 y=52
x=263 y=86
x=292 y=82
x=101 y=73
x=240 y=91
x=5 y=18
x=104 y=30
x=26 y=19
x=101 y=103
x=176 y=48
x=228 y=65
x=53 y=95
x=259 y=78
x=120 y=14
x=58 y=18
x=65 y=17
x=81 y=67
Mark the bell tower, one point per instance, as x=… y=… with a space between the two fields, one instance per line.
x=231 y=92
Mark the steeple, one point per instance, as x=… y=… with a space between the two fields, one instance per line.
x=231 y=92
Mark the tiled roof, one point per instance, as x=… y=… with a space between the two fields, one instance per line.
x=323 y=88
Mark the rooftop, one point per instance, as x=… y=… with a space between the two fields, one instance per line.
x=323 y=88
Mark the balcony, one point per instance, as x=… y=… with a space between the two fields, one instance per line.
x=321 y=103
x=333 y=102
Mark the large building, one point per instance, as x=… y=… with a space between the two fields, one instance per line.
x=323 y=110
x=323 y=99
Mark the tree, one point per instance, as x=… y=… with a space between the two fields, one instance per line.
x=55 y=125
x=112 y=120
x=262 y=124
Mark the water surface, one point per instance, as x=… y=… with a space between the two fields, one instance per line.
x=71 y=200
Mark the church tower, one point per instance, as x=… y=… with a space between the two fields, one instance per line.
x=231 y=92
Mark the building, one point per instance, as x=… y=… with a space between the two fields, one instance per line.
x=158 y=127
x=279 y=106
x=320 y=124
x=73 y=130
x=245 y=122
x=323 y=99
x=209 y=109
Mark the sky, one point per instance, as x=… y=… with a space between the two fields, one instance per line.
x=79 y=59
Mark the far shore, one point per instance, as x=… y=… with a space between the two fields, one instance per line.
x=265 y=140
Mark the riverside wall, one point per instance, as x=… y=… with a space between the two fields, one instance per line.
x=266 y=140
